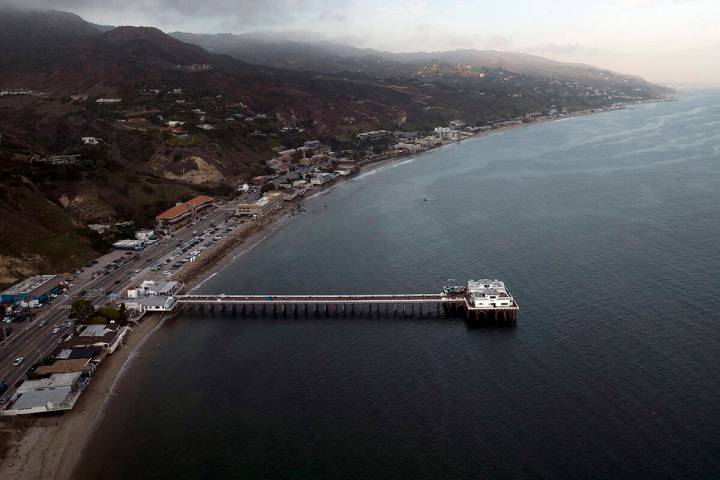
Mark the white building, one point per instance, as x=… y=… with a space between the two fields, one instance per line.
x=154 y=288
x=145 y=235
x=151 y=304
x=489 y=294
x=443 y=133
x=262 y=207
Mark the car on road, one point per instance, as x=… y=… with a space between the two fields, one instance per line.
x=18 y=361
x=42 y=324
x=56 y=330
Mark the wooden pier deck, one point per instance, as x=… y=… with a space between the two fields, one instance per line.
x=344 y=305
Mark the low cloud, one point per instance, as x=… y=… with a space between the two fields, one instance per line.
x=199 y=16
x=651 y=3
x=562 y=49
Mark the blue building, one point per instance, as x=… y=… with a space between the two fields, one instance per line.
x=37 y=288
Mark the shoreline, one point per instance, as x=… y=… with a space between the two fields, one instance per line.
x=52 y=446
x=280 y=218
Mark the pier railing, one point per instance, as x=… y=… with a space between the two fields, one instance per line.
x=312 y=299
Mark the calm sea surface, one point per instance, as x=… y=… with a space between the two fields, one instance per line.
x=606 y=229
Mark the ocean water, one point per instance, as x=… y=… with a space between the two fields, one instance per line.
x=606 y=229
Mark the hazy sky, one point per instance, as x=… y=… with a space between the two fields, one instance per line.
x=662 y=40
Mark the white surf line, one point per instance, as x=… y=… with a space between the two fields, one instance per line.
x=95 y=422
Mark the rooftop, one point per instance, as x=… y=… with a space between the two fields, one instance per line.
x=486 y=286
x=57 y=392
x=182 y=208
x=39 y=398
x=94 y=331
x=199 y=200
x=53 y=381
x=29 y=284
x=78 y=353
x=158 y=301
x=63 y=366
x=174 y=212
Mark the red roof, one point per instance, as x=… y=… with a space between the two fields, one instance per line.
x=174 y=212
x=183 y=208
x=199 y=200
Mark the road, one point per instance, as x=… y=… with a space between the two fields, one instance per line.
x=36 y=339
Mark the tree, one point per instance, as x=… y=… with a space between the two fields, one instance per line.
x=97 y=320
x=81 y=309
x=123 y=314
x=109 y=313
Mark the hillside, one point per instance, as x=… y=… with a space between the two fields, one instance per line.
x=186 y=120
x=330 y=57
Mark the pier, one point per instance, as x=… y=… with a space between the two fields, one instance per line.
x=482 y=300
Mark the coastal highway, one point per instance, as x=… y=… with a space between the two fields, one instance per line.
x=35 y=340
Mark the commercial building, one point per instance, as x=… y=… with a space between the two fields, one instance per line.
x=262 y=207
x=153 y=288
x=36 y=288
x=182 y=213
x=151 y=303
x=129 y=245
x=153 y=296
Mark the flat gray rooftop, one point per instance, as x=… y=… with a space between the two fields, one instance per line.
x=29 y=284
x=40 y=398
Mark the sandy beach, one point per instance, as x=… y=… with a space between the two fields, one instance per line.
x=49 y=447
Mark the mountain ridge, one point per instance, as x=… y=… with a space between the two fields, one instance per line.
x=333 y=57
